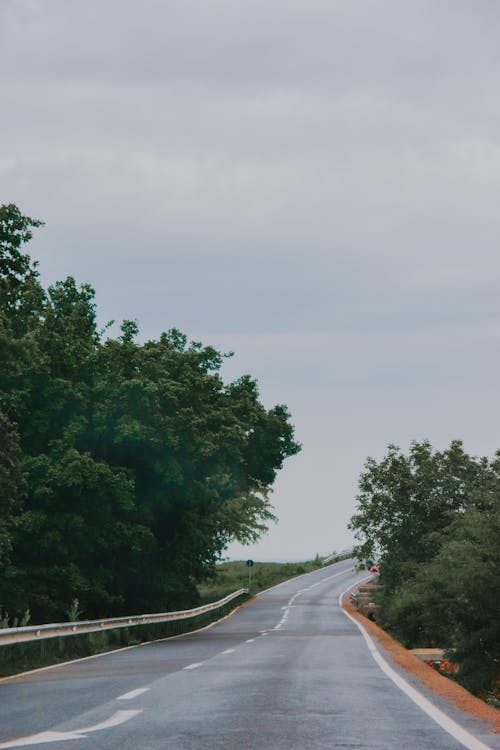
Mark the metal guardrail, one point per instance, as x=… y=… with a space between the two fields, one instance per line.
x=342 y=554
x=38 y=632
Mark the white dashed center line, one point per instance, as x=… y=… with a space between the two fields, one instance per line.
x=133 y=694
x=195 y=665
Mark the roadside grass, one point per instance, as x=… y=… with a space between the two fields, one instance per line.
x=231 y=576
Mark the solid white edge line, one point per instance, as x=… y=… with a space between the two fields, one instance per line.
x=66 y=663
x=117 y=650
x=449 y=725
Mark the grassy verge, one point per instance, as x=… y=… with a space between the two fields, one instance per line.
x=230 y=576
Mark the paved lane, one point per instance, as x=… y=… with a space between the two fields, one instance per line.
x=287 y=671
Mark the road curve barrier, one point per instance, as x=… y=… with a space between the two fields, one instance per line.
x=35 y=632
x=40 y=645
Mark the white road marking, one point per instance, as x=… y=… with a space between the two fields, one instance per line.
x=302 y=591
x=118 y=718
x=302 y=575
x=38 y=739
x=74 y=661
x=133 y=694
x=455 y=730
x=282 y=621
x=228 y=651
x=78 y=734
x=122 y=716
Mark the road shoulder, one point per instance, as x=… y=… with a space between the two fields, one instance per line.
x=429 y=677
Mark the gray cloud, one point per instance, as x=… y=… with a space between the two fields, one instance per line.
x=313 y=185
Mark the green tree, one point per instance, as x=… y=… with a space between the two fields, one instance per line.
x=187 y=440
x=454 y=600
x=12 y=483
x=405 y=501
x=141 y=464
x=433 y=520
x=20 y=293
x=15 y=230
x=75 y=538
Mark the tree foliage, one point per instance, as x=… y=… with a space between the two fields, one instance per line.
x=432 y=518
x=140 y=463
x=12 y=483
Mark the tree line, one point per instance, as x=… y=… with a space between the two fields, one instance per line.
x=125 y=468
x=432 y=519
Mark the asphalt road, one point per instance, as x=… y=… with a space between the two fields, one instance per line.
x=287 y=671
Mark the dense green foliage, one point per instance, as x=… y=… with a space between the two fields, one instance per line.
x=135 y=463
x=433 y=520
x=12 y=483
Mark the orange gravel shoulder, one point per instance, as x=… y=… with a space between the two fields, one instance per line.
x=427 y=674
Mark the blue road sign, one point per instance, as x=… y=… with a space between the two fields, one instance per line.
x=249 y=563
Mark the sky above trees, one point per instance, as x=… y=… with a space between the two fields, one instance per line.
x=311 y=185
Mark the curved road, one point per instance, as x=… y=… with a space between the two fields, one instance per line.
x=287 y=671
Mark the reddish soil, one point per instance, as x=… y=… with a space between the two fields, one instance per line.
x=427 y=674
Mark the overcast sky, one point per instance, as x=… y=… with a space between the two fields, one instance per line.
x=314 y=185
